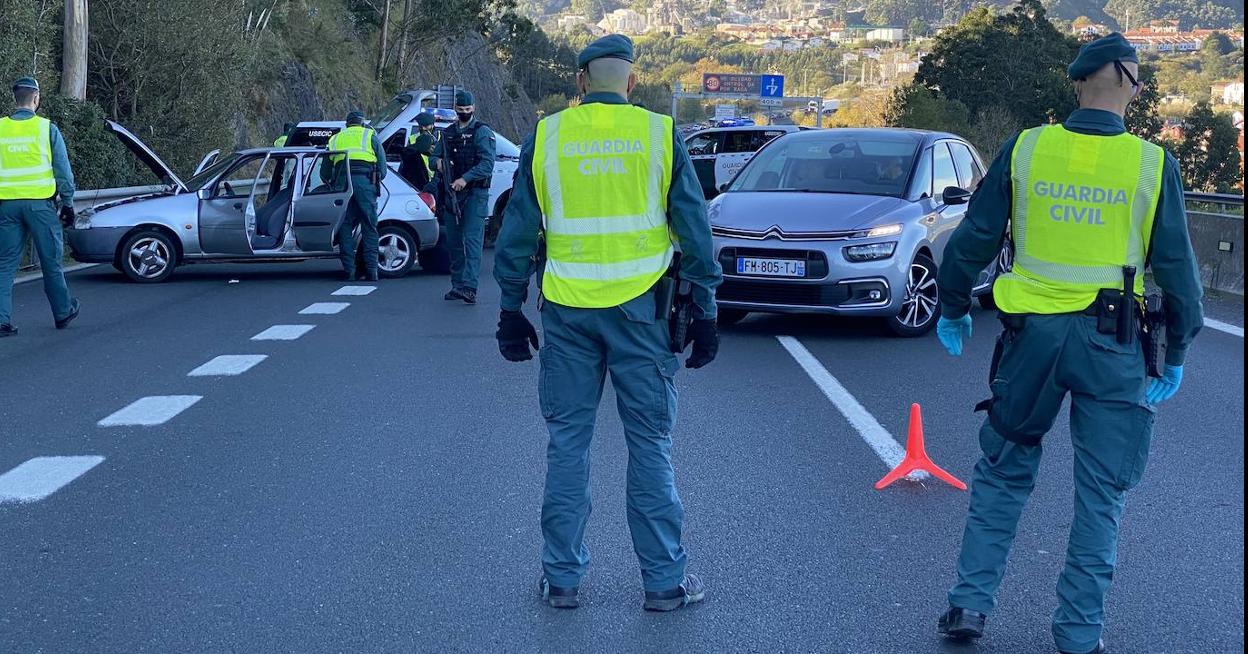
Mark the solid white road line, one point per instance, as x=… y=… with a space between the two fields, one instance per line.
x=42 y=476
x=228 y=365
x=1227 y=327
x=150 y=411
x=283 y=333
x=354 y=290
x=324 y=308
x=889 y=451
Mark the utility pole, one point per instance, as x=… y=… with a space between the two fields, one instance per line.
x=381 y=46
x=74 y=50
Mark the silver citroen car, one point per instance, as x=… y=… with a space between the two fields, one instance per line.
x=845 y=221
x=258 y=205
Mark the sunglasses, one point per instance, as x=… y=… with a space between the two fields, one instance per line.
x=1122 y=70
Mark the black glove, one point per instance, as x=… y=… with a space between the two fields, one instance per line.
x=68 y=215
x=515 y=335
x=705 y=338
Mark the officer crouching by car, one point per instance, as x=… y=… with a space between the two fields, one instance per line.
x=366 y=163
x=465 y=165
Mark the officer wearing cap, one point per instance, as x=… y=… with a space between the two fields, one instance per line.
x=1080 y=201
x=465 y=154
x=34 y=172
x=611 y=191
x=360 y=150
x=415 y=159
x=287 y=129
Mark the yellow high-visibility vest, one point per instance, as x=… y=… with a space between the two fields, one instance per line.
x=279 y=141
x=1083 y=208
x=602 y=174
x=357 y=142
x=26 y=159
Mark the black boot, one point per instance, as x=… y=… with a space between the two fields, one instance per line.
x=453 y=294
x=74 y=307
x=559 y=598
x=690 y=591
x=469 y=296
x=7 y=330
x=372 y=276
x=961 y=624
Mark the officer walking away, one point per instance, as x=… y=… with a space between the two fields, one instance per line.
x=1087 y=207
x=287 y=129
x=34 y=170
x=608 y=214
x=466 y=154
x=366 y=162
x=414 y=164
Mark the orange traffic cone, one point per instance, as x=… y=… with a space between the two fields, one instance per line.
x=916 y=456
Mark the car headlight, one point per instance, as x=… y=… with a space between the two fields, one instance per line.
x=884 y=230
x=870 y=251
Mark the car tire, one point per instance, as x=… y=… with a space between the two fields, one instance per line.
x=437 y=259
x=147 y=256
x=921 y=307
x=730 y=317
x=398 y=250
x=495 y=225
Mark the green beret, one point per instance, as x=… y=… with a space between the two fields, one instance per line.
x=613 y=46
x=26 y=83
x=1095 y=54
x=425 y=119
x=355 y=118
x=464 y=99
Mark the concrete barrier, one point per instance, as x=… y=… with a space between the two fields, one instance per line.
x=1216 y=225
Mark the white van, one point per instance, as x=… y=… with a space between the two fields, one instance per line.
x=718 y=153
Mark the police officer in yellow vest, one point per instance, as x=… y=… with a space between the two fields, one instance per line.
x=34 y=170
x=1080 y=201
x=287 y=129
x=416 y=164
x=366 y=162
x=612 y=189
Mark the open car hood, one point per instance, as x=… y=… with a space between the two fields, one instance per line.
x=162 y=171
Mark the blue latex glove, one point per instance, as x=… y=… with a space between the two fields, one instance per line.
x=1163 y=389
x=951 y=333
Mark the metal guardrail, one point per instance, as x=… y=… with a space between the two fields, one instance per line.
x=1215 y=222
x=88 y=199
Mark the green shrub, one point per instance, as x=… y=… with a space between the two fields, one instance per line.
x=99 y=160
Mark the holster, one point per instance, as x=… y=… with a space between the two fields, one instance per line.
x=673 y=302
x=1153 y=334
x=1012 y=324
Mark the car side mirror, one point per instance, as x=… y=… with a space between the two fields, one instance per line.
x=955 y=195
x=723 y=188
x=204 y=193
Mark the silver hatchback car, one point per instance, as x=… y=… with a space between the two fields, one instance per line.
x=845 y=221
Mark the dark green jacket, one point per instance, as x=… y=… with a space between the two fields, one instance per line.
x=980 y=236
x=686 y=214
x=487 y=149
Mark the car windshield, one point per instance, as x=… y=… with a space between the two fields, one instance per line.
x=206 y=175
x=390 y=112
x=828 y=162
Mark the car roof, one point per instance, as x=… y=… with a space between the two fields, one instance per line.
x=923 y=135
x=747 y=128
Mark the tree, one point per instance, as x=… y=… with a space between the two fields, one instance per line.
x=74 y=50
x=1142 y=117
x=1209 y=153
x=916 y=107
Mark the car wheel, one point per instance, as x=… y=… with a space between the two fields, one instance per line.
x=1004 y=262
x=396 y=251
x=920 y=307
x=730 y=317
x=496 y=222
x=148 y=256
x=437 y=259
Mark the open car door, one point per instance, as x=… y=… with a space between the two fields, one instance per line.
x=322 y=206
x=227 y=211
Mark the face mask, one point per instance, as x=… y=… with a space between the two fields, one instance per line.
x=463 y=116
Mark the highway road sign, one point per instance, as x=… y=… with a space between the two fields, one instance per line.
x=724 y=83
x=771 y=86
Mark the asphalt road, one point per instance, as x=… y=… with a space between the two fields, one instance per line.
x=374 y=485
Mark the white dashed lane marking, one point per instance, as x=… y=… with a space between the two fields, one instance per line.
x=42 y=476
x=882 y=442
x=1233 y=330
x=228 y=365
x=150 y=411
x=354 y=290
x=324 y=308
x=283 y=333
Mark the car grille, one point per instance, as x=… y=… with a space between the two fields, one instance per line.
x=782 y=293
x=816 y=262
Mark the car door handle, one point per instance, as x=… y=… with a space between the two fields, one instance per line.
x=337 y=203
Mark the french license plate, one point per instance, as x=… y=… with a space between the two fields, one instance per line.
x=771 y=267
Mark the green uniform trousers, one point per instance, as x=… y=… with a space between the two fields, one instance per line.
x=581 y=347
x=1111 y=428
x=465 y=238
x=38 y=218
x=362 y=211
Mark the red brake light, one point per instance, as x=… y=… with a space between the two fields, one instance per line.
x=429 y=201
